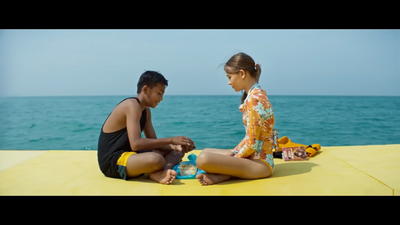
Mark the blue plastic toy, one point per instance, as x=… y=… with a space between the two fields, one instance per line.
x=188 y=169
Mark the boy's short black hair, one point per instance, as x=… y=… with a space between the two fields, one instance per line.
x=150 y=78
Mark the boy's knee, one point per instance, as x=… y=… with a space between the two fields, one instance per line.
x=156 y=161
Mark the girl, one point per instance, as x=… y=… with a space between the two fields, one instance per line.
x=252 y=158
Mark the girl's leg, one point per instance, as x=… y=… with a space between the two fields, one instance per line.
x=218 y=151
x=222 y=167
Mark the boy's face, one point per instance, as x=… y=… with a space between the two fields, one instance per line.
x=155 y=95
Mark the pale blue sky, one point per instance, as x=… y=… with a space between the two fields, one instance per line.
x=109 y=62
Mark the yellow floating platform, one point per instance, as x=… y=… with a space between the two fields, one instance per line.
x=350 y=170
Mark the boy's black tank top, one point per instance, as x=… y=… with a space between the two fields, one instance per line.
x=112 y=145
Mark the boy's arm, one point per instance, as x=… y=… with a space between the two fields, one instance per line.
x=149 y=132
x=132 y=115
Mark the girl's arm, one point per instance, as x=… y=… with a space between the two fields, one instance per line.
x=252 y=141
x=240 y=145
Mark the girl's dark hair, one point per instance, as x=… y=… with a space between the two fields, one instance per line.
x=242 y=61
x=150 y=78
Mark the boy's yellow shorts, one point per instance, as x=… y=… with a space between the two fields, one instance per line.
x=123 y=160
x=121 y=163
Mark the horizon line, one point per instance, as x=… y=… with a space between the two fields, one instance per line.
x=288 y=95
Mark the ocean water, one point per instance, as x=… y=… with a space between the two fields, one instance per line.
x=74 y=123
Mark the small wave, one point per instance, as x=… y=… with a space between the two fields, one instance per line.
x=84 y=129
x=177 y=123
x=47 y=139
x=56 y=139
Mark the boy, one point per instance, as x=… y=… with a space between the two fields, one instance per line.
x=123 y=153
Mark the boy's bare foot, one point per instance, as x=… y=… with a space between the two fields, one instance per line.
x=209 y=178
x=164 y=176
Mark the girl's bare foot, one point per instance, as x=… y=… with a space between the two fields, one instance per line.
x=164 y=176
x=209 y=178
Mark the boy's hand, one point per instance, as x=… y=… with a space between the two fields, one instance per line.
x=184 y=148
x=182 y=140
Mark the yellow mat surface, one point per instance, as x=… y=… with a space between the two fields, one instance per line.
x=350 y=170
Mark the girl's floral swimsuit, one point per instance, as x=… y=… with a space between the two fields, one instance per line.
x=259 y=121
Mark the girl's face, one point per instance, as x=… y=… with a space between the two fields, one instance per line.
x=235 y=80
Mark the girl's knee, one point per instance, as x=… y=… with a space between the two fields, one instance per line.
x=202 y=160
x=206 y=150
x=258 y=173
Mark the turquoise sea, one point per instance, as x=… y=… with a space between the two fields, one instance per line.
x=74 y=123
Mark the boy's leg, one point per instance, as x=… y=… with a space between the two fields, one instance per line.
x=150 y=163
x=222 y=167
x=171 y=158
